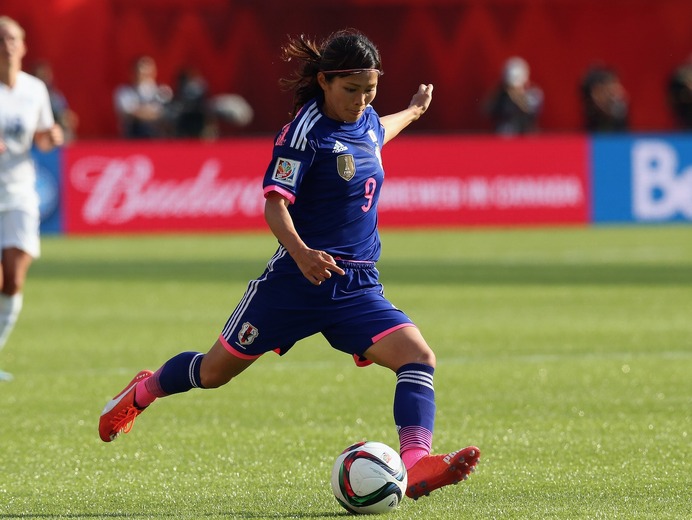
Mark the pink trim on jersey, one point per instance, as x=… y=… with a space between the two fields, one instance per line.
x=389 y=331
x=281 y=191
x=233 y=351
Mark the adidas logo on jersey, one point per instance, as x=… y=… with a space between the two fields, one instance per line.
x=338 y=147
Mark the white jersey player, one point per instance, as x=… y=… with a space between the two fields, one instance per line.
x=25 y=119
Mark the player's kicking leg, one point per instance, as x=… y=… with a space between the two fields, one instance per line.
x=435 y=471
x=179 y=374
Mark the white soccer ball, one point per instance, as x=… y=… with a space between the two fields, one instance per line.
x=369 y=478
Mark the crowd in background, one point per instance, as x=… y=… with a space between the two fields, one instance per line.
x=516 y=103
x=147 y=109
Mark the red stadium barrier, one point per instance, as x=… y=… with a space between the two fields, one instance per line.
x=430 y=181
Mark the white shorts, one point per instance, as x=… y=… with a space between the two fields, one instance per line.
x=20 y=229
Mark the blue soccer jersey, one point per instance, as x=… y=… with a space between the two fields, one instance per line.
x=332 y=174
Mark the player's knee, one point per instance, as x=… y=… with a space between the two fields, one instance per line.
x=13 y=281
x=427 y=357
x=420 y=352
x=11 y=286
x=212 y=377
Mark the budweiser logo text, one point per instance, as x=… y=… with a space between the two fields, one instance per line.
x=120 y=190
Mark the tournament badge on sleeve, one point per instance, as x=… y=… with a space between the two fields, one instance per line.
x=286 y=171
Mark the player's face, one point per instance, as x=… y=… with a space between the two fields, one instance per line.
x=345 y=98
x=12 y=47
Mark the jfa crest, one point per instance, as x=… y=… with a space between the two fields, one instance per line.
x=346 y=166
x=248 y=333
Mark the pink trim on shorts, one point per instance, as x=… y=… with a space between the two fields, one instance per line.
x=389 y=331
x=361 y=361
x=281 y=191
x=233 y=351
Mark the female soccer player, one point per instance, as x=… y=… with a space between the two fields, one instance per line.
x=25 y=118
x=321 y=188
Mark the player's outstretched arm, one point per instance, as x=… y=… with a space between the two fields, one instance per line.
x=395 y=123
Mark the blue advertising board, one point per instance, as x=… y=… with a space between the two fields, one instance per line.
x=48 y=172
x=641 y=178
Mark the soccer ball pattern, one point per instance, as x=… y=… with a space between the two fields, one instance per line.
x=369 y=478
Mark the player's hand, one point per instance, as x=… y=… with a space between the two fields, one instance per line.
x=3 y=148
x=316 y=266
x=421 y=99
x=56 y=135
x=48 y=139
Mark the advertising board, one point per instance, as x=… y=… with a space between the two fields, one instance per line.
x=164 y=186
x=430 y=181
x=644 y=179
x=48 y=185
x=454 y=180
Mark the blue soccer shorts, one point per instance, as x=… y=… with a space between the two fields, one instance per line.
x=282 y=307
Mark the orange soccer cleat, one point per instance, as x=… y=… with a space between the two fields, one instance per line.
x=435 y=471
x=120 y=413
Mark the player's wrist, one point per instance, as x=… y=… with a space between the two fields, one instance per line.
x=415 y=112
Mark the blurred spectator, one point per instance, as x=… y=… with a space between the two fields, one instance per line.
x=189 y=106
x=680 y=94
x=142 y=105
x=605 y=101
x=197 y=114
x=62 y=113
x=516 y=103
x=230 y=112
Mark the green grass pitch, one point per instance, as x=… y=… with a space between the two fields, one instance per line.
x=565 y=354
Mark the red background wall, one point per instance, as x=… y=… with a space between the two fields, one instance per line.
x=457 y=45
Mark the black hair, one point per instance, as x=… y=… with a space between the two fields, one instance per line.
x=344 y=50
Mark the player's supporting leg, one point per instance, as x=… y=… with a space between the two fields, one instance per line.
x=407 y=353
x=179 y=374
x=10 y=307
x=414 y=414
x=414 y=411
